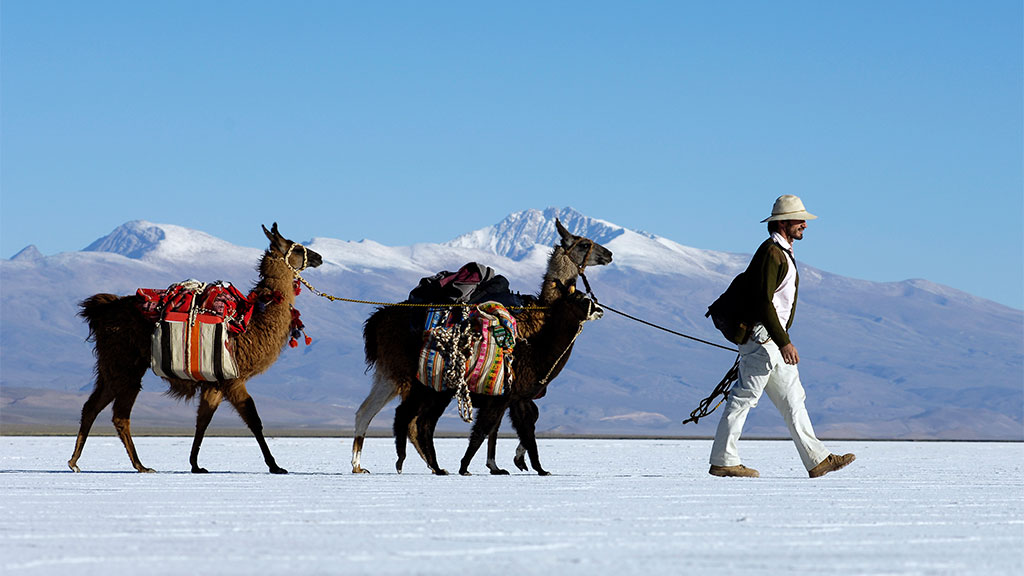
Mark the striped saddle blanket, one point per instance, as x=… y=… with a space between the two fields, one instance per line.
x=194 y=325
x=478 y=339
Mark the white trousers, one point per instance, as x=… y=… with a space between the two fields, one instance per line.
x=762 y=369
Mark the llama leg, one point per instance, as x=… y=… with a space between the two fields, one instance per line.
x=122 y=422
x=404 y=416
x=524 y=418
x=209 y=400
x=246 y=408
x=487 y=419
x=492 y=450
x=520 y=458
x=98 y=400
x=426 y=422
x=414 y=436
x=383 y=391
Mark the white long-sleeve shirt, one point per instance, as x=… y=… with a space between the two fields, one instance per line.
x=785 y=294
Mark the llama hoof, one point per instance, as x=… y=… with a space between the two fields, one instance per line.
x=543 y=472
x=521 y=464
x=398 y=466
x=278 y=470
x=198 y=470
x=499 y=472
x=441 y=472
x=145 y=470
x=360 y=470
x=74 y=467
x=465 y=472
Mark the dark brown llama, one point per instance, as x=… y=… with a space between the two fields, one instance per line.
x=122 y=338
x=393 y=336
x=538 y=359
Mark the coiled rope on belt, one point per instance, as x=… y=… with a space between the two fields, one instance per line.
x=722 y=389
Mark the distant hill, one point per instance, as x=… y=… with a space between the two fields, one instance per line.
x=908 y=359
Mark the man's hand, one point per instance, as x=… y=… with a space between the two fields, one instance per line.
x=789 y=354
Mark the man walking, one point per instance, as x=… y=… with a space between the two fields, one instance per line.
x=764 y=298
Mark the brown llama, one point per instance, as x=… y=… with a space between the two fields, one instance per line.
x=122 y=337
x=393 y=337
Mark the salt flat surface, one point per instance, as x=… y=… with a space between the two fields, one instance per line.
x=611 y=507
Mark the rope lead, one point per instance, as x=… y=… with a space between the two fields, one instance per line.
x=721 y=390
x=701 y=411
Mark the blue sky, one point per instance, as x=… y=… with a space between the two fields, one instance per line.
x=899 y=123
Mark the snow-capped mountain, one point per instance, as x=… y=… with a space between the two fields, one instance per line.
x=521 y=233
x=879 y=360
x=141 y=240
x=28 y=254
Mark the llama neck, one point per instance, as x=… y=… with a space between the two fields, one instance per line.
x=561 y=272
x=260 y=345
x=548 y=349
x=275 y=318
x=275 y=276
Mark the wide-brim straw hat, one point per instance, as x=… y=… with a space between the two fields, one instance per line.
x=789 y=207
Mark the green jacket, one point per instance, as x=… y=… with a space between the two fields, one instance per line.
x=748 y=299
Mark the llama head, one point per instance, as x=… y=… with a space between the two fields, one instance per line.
x=296 y=255
x=580 y=308
x=582 y=251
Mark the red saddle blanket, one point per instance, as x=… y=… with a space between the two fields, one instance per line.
x=219 y=299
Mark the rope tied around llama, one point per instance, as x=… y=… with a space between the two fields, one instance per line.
x=702 y=410
x=453 y=344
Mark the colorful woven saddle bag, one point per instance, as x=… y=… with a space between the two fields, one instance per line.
x=479 y=340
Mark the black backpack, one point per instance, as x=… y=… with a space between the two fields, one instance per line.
x=729 y=312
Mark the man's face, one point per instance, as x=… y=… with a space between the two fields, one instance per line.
x=794 y=229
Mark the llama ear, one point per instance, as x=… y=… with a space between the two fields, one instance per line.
x=276 y=240
x=567 y=238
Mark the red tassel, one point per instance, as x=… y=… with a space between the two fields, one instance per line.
x=298 y=287
x=297 y=327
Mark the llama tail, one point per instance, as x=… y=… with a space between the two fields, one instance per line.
x=94 y=308
x=370 y=329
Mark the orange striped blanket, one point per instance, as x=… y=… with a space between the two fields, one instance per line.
x=194 y=322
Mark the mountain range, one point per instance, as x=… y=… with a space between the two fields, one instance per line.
x=899 y=360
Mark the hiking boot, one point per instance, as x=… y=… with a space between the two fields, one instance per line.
x=738 y=471
x=831 y=464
